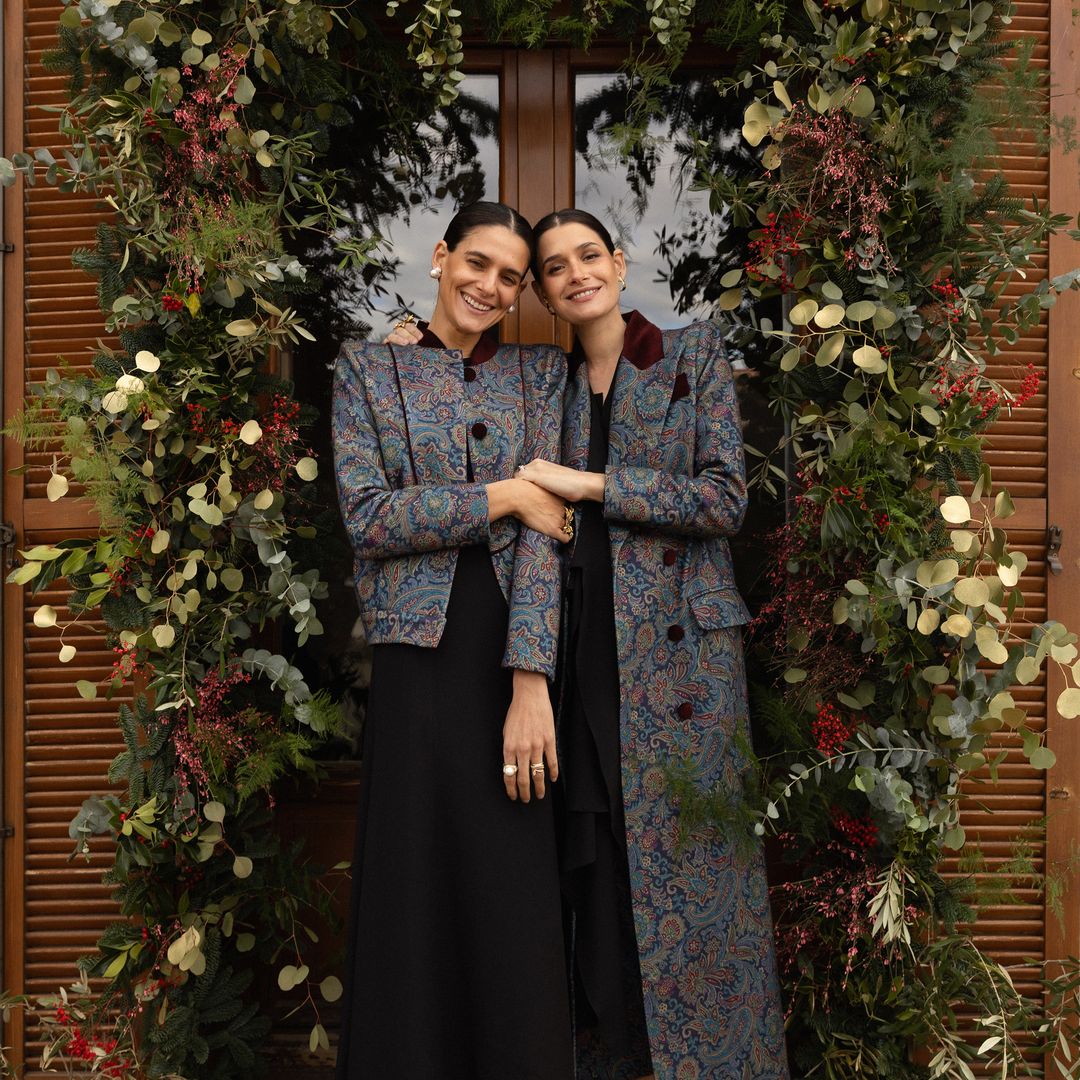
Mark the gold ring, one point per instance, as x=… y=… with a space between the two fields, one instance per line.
x=509 y=770
x=536 y=766
x=402 y=323
x=568 y=522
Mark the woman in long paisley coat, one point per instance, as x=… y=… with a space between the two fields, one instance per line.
x=653 y=458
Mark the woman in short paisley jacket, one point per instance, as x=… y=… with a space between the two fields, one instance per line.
x=674 y=963
x=456 y=964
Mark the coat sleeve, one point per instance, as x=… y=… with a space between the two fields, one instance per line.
x=532 y=637
x=712 y=502
x=381 y=521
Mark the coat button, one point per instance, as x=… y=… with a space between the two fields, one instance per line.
x=470 y=374
x=479 y=429
x=675 y=632
x=669 y=556
x=686 y=710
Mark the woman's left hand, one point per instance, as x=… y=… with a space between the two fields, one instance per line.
x=529 y=738
x=569 y=484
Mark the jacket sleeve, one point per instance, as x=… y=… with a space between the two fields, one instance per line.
x=533 y=634
x=712 y=502
x=382 y=521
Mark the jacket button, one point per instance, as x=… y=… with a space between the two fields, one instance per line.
x=669 y=556
x=685 y=710
x=479 y=429
x=470 y=374
x=675 y=632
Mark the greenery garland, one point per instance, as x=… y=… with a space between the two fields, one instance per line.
x=209 y=129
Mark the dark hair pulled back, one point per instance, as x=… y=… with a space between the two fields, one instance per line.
x=568 y=216
x=479 y=214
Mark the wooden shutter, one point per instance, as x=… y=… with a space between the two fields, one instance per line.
x=1033 y=453
x=56 y=746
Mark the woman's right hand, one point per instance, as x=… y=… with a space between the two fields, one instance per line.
x=403 y=334
x=540 y=510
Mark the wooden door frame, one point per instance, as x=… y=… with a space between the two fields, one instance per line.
x=13 y=614
x=1063 y=493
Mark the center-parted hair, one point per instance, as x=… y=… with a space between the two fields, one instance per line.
x=479 y=214
x=569 y=216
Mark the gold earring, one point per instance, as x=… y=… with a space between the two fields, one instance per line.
x=622 y=283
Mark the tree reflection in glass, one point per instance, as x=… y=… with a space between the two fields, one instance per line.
x=451 y=160
x=676 y=247
x=678 y=250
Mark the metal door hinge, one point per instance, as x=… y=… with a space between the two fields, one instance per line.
x=7 y=832
x=6 y=248
x=7 y=543
x=1053 y=549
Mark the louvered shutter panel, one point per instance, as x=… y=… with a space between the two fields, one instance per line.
x=57 y=746
x=1008 y=819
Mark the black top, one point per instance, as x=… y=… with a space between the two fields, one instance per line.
x=593 y=784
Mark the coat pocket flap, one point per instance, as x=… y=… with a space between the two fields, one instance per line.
x=719 y=608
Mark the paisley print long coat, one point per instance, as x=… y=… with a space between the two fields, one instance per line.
x=407 y=423
x=674 y=489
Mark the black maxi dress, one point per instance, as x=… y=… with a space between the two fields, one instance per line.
x=456 y=967
x=608 y=1006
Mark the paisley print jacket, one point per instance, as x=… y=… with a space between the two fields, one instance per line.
x=408 y=422
x=674 y=490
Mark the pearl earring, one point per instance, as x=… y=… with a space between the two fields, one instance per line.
x=511 y=309
x=435 y=272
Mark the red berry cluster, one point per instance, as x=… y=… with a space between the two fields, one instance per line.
x=952 y=302
x=881 y=521
x=197 y=418
x=779 y=238
x=859 y=832
x=278 y=449
x=1029 y=387
x=985 y=398
x=121 y=576
x=126 y=665
x=832 y=730
x=842 y=493
x=171 y=302
x=92 y=1049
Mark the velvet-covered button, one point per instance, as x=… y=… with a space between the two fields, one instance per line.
x=470 y=374
x=685 y=710
x=675 y=632
x=479 y=429
x=669 y=556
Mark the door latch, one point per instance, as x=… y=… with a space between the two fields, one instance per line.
x=1053 y=549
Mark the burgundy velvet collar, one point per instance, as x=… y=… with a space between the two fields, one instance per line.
x=642 y=346
x=484 y=349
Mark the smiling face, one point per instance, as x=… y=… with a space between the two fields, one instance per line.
x=579 y=277
x=481 y=278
